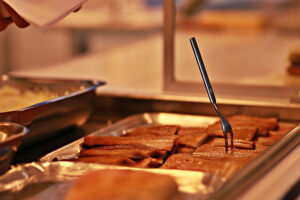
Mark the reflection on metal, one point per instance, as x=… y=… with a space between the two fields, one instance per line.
x=71 y=107
x=120 y=106
x=234 y=186
x=259 y=167
x=119 y=128
x=61 y=174
x=11 y=135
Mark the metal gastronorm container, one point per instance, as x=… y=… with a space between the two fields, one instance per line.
x=72 y=106
x=234 y=186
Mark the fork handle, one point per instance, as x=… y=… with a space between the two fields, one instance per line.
x=202 y=69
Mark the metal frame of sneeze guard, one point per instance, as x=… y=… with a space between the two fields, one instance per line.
x=290 y=93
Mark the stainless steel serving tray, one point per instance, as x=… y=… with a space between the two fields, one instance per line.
x=72 y=106
x=51 y=180
x=71 y=150
x=234 y=186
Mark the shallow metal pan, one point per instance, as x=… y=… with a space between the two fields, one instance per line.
x=117 y=129
x=51 y=180
x=72 y=106
x=251 y=173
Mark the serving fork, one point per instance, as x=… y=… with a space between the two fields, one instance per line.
x=226 y=127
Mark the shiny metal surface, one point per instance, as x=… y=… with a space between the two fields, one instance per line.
x=51 y=180
x=72 y=106
x=119 y=128
x=11 y=135
x=234 y=186
x=226 y=127
x=134 y=103
x=259 y=167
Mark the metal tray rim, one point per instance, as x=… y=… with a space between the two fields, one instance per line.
x=94 y=85
x=43 y=119
x=273 y=154
x=145 y=116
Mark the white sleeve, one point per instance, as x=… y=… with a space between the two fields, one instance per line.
x=44 y=13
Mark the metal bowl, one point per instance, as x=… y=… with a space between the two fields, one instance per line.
x=11 y=135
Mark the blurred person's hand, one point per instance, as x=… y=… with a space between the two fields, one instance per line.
x=8 y=16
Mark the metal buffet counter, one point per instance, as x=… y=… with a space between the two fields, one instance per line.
x=126 y=95
x=279 y=161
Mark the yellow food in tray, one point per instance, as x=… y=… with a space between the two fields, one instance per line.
x=13 y=98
